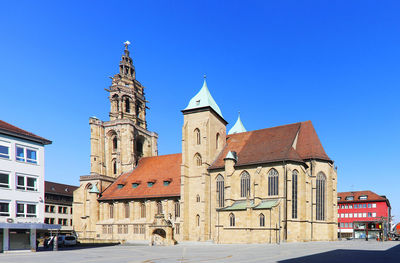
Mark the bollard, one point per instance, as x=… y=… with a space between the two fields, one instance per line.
x=55 y=243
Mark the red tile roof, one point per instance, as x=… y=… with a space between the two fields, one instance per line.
x=274 y=144
x=59 y=189
x=150 y=169
x=371 y=196
x=12 y=130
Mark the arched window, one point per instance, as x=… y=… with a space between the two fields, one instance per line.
x=273 y=182
x=138 y=109
x=220 y=191
x=294 y=194
x=198 y=198
x=115 y=103
x=127 y=210
x=262 y=219
x=198 y=220
x=142 y=210
x=177 y=209
x=127 y=105
x=217 y=141
x=114 y=165
x=197 y=159
x=320 y=196
x=111 y=210
x=159 y=208
x=197 y=134
x=245 y=184
x=115 y=143
x=232 y=219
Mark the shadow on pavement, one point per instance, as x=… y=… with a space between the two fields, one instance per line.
x=354 y=256
x=78 y=246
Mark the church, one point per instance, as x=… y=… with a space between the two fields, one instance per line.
x=264 y=186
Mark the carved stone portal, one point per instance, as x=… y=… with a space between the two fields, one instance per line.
x=161 y=232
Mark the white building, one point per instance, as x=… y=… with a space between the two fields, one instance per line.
x=21 y=187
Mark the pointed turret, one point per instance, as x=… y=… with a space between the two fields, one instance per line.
x=203 y=99
x=238 y=127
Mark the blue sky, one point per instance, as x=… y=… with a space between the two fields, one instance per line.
x=277 y=62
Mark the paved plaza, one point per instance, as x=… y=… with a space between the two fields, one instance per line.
x=339 y=251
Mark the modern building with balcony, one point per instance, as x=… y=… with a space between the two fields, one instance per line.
x=363 y=214
x=21 y=188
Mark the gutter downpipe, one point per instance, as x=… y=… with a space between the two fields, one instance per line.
x=286 y=201
x=312 y=198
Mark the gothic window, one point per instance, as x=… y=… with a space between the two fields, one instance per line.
x=220 y=191
x=111 y=211
x=127 y=210
x=177 y=209
x=159 y=208
x=197 y=159
x=262 y=220
x=197 y=134
x=320 y=196
x=232 y=219
x=114 y=165
x=273 y=182
x=142 y=210
x=115 y=143
x=137 y=109
x=217 y=141
x=198 y=198
x=294 y=194
x=198 y=220
x=245 y=184
x=127 y=105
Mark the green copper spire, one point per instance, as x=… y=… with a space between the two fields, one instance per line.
x=202 y=99
x=238 y=127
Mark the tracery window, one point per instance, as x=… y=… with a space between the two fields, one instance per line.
x=294 y=194
x=142 y=210
x=220 y=191
x=320 y=196
x=159 y=208
x=127 y=212
x=114 y=165
x=273 y=182
x=245 y=184
x=127 y=105
x=197 y=134
x=198 y=220
x=262 y=219
x=111 y=210
x=197 y=158
x=177 y=209
x=115 y=143
x=232 y=219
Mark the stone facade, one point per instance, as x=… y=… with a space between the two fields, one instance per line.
x=263 y=186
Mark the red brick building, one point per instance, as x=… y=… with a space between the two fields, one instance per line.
x=363 y=213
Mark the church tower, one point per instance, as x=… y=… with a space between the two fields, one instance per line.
x=203 y=137
x=116 y=145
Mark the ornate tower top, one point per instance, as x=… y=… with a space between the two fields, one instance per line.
x=126 y=93
x=126 y=68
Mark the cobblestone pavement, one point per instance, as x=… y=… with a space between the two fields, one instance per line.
x=339 y=251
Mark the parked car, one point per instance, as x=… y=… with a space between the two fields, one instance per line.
x=69 y=241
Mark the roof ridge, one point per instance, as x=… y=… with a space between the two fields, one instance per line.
x=280 y=126
x=22 y=132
